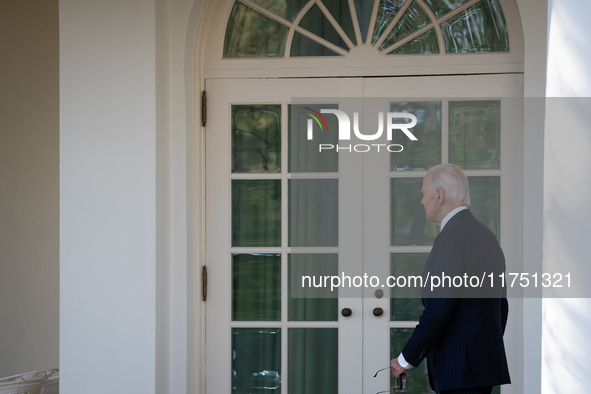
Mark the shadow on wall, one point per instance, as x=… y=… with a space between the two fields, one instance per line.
x=569 y=49
x=567 y=214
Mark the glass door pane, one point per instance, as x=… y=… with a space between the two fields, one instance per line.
x=256 y=360
x=256 y=287
x=313 y=360
x=312 y=303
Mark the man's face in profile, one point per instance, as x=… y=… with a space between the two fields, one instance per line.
x=430 y=201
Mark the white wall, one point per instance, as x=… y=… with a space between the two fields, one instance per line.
x=108 y=196
x=567 y=214
x=29 y=186
x=131 y=314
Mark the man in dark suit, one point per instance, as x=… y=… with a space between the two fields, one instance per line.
x=461 y=329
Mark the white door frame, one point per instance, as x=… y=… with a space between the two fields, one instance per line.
x=254 y=91
x=209 y=63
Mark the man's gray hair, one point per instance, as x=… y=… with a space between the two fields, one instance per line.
x=452 y=180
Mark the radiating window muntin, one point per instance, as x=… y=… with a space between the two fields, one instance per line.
x=316 y=28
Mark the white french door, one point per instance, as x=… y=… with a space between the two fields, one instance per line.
x=361 y=215
x=258 y=339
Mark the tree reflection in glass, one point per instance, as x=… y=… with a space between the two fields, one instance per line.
x=442 y=7
x=425 y=44
x=387 y=10
x=412 y=20
x=256 y=287
x=256 y=138
x=256 y=212
x=480 y=28
x=252 y=34
x=287 y=9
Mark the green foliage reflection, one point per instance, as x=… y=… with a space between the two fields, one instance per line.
x=256 y=213
x=412 y=20
x=256 y=138
x=256 y=287
x=387 y=10
x=252 y=34
x=425 y=44
x=480 y=28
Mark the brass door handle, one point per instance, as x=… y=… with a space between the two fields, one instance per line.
x=378 y=311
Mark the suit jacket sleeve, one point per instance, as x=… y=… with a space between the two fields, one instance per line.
x=504 y=312
x=431 y=323
x=446 y=259
x=504 y=302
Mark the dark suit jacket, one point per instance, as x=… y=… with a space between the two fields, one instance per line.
x=461 y=337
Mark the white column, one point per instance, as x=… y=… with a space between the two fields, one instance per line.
x=534 y=16
x=108 y=196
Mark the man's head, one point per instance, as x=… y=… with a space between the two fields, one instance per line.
x=445 y=187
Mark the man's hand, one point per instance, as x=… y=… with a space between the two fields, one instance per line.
x=397 y=370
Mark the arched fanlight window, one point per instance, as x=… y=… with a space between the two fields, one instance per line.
x=297 y=28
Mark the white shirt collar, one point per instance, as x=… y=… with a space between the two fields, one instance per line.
x=451 y=215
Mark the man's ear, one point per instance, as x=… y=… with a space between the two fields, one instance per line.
x=440 y=196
